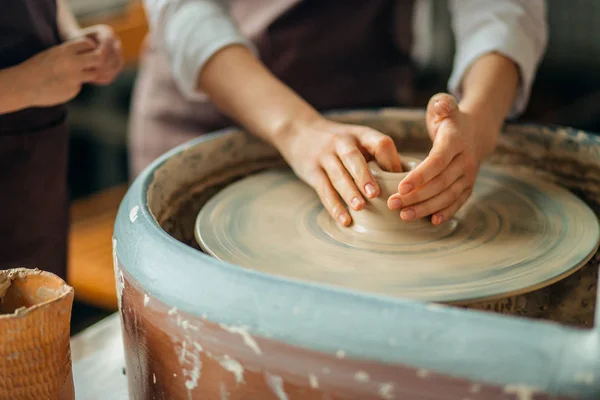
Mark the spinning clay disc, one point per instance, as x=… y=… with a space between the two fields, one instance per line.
x=515 y=234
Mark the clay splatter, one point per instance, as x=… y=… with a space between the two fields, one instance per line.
x=422 y=373
x=340 y=354
x=476 y=388
x=231 y=365
x=133 y=214
x=146 y=299
x=276 y=384
x=224 y=392
x=313 y=381
x=183 y=353
x=386 y=391
x=361 y=376
x=243 y=332
x=185 y=324
x=193 y=374
x=523 y=392
x=172 y=311
x=120 y=280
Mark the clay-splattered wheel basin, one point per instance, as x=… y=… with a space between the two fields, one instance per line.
x=196 y=327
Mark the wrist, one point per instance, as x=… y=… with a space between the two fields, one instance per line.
x=486 y=124
x=16 y=86
x=288 y=129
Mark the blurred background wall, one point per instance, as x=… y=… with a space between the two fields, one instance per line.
x=566 y=92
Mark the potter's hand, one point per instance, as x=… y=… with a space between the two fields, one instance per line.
x=443 y=182
x=56 y=75
x=332 y=158
x=108 y=49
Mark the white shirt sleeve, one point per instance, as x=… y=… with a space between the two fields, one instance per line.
x=188 y=33
x=516 y=29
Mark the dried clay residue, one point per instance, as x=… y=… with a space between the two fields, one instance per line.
x=4 y=285
x=276 y=384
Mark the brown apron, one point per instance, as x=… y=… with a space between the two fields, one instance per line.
x=33 y=152
x=334 y=54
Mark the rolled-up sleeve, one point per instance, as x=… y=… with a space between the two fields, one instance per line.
x=188 y=33
x=516 y=29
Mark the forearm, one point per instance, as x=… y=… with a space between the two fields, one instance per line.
x=489 y=89
x=241 y=87
x=67 y=23
x=13 y=93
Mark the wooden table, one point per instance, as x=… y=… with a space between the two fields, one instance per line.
x=99 y=360
x=90 y=268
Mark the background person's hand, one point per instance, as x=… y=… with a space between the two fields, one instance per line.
x=56 y=75
x=443 y=182
x=332 y=158
x=108 y=47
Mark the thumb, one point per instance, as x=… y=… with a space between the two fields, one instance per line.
x=440 y=107
x=80 y=45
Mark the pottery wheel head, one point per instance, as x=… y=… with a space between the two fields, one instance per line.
x=515 y=234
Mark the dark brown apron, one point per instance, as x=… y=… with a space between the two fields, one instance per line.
x=33 y=152
x=335 y=54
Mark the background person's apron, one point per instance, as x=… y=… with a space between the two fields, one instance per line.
x=335 y=54
x=33 y=152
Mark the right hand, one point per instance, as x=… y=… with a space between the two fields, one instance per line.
x=332 y=158
x=56 y=75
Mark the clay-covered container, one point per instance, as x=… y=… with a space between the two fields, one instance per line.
x=35 y=353
x=198 y=328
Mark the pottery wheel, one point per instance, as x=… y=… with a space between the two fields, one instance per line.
x=517 y=233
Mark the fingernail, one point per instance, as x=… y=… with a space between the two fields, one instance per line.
x=405 y=189
x=437 y=219
x=344 y=219
x=370 y=189
x=356 y=203
x=408 y=213
x=395 y=203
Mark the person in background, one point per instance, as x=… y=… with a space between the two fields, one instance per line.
x=272 y=66
x=45 y=58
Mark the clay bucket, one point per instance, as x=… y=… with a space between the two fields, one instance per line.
x=198 y=328
x=35 y=354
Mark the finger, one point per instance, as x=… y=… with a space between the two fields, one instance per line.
x=80 y=45
x=445 y=148
x=437 y=185
x=380 y=146
x=342 y=182
x=440 y=107
x=329 y=198
x=107 y=46
x=354 y=162
x=90 y=60
x=436 y=203
x=88 y=76
x=444 y=215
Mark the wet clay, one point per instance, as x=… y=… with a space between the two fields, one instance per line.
x=517 y=233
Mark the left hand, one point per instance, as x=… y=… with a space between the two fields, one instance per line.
x=443 y=182
x=109 y=49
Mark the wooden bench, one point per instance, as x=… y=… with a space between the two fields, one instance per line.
x=90 y=263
